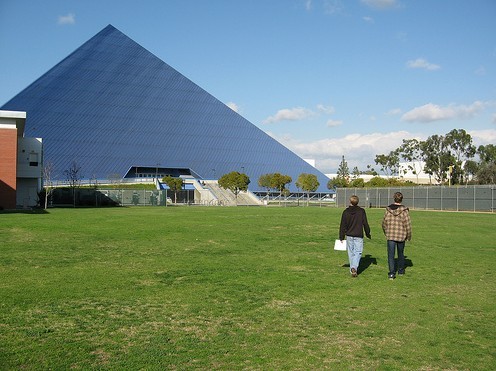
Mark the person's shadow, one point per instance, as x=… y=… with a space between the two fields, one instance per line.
x=408 y=262
x=365 y=262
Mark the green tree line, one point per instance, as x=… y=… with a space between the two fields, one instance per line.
x=447 y=159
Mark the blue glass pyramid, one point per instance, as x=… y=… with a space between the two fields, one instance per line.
x=113 y=107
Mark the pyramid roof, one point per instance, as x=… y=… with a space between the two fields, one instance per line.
x=112 y=105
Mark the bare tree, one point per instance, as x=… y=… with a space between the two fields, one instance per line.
x=73 y=176
x=47 y=180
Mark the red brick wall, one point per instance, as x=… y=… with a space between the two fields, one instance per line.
x=8 y=164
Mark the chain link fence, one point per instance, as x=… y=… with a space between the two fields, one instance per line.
x=87 y=197
x=463 y=198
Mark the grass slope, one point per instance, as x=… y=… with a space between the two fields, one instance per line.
x=241 y=288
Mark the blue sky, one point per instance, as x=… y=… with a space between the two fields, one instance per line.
x=324 y=77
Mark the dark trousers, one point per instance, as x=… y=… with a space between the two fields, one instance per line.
x=392 y=246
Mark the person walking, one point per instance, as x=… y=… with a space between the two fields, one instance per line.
x=353 y=224
x=397 y=227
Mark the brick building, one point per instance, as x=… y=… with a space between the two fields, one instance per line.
x=20 y=163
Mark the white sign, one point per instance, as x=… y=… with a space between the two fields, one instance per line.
x=340 y=245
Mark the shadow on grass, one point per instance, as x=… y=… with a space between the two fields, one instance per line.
x=368 y=259
x=26 y=211
x=365 y=262
x=408 y=262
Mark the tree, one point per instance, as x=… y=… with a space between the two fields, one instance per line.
x=390 y=163
x=443 y=156
x=342 y=178
x=265 y=181
x=437 y=157
x=279 y=182
x=234 y=181
x=460 y=143
x=486 y=171
x=308 y=183
x=337 y=182
x=471 y=168
x=343 y=170
x=371 y=171
x=357 y=183
x=175 y=184
x=461 y=147
x=411 y=152
x=487 y=153
x=377 y=181
x=73 y=176
x=275 y=181
x=356 y=173
x=47 y=180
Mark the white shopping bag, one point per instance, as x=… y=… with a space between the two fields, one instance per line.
x=340 y=245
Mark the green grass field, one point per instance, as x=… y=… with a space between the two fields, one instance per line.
x=241 y=288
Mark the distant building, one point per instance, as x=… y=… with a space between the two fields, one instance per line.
x=406 y=172
x=407 y=169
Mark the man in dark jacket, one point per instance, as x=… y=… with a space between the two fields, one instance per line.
x=353 y=223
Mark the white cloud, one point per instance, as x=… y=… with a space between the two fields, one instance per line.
x=381 y=4
x=326 y=109
x=481 y=71
x=422 y=64
x=332 y=123
x=333 y=6
x=368 y=19
x=233 y=106
x=67 y=19
x=289 y=114
x=483 y=137
x=394 y=112
x=433 y=112
x=308 y=4
x=301 y=113
x=359 y=149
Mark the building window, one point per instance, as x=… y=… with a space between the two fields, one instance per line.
x=33 y=159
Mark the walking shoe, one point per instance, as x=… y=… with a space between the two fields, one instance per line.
x=354 y=272
x=401 y=273
x=391 y=276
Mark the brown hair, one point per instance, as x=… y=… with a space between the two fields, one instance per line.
x=398 y=197
x=354 y=200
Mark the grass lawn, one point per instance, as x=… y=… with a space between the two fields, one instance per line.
x=241 y=288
